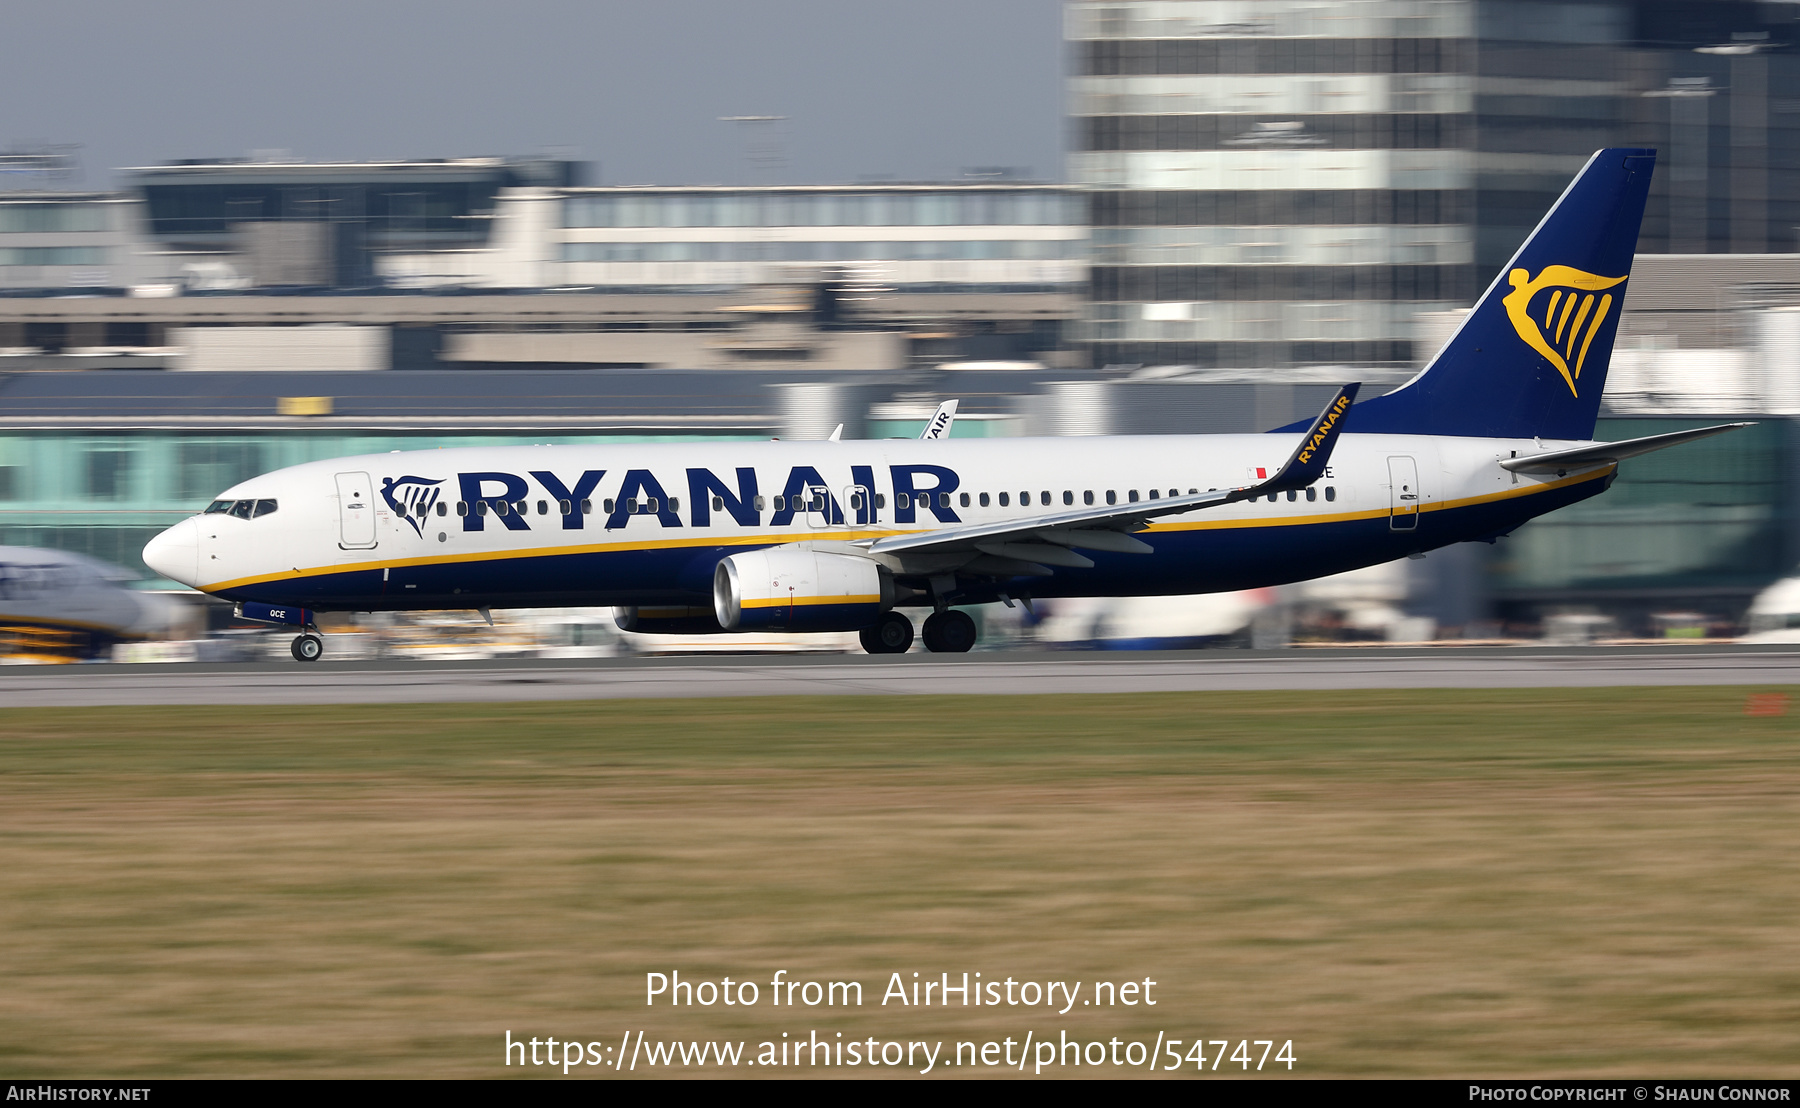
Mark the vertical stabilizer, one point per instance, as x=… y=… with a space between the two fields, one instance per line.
x=1531 y=359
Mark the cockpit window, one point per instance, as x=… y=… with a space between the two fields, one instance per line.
x=241 y=509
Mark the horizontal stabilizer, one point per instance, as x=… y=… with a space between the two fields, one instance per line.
x=1606 y=452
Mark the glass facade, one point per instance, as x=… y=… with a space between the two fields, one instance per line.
x=1018 y=207
x=989 y=238
x=107 y=495
x=53 y=255
x=41 y=218
x=1223 y=125
x=826 y=251
x=1272 y=183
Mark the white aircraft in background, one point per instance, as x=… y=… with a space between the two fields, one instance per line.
x=843 y=536
x=54 y=604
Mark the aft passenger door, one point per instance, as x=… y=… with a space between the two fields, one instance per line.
x=1403 y=493
x=356 y=511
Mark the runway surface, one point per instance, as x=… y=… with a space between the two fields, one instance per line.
x=982 y=673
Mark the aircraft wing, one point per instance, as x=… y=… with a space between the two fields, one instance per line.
x=1049 y=537
x=1557 y=460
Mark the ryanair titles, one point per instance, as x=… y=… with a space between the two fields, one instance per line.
x=493 y=497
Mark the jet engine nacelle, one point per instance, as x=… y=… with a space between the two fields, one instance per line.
x=667 y=621
x=792 y=588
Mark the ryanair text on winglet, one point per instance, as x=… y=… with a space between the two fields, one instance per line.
x=1329 y=421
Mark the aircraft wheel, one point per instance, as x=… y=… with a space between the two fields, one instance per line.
x=949 y=632
x=893 y=635
x=308 y=648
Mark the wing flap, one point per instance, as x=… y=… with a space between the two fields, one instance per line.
x=1086 y=538
x=1041 y=552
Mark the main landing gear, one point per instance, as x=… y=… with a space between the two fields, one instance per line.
x=308 y=648
x=946 y=632
x=893 y=635
x=949 y=632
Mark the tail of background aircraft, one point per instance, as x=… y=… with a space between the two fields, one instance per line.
x=1531 y=358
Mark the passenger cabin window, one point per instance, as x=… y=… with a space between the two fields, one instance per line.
x=718 y=504
x=1005 y=499
x=984 y=500
x=965 y=500
x=544 y=508
x=607 y=505
x=1312 y=494
x=1292 y=496
x=1068 y=496
x=443 y=508
x=1087 y=497
x=943 y=500
x=1112 y=497
x=587 y=507
x=462 y=507
x=565 y=508
x=1330 y=493
x=1132 y=496
x=880 y=500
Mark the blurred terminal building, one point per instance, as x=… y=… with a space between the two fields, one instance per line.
x=1263 y=198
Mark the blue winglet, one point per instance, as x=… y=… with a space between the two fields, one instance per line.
x=1309 y=459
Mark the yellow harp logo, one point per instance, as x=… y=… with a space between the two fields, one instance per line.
x=1571 y=314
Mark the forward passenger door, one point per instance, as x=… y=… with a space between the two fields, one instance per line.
x=356 y=511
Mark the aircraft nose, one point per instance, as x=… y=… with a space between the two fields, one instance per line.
x=176 y=553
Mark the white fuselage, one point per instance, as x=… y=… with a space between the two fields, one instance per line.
x=444 y=528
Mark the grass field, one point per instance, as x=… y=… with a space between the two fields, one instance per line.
x=1581 y=882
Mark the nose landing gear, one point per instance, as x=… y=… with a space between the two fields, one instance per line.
x=308 y=648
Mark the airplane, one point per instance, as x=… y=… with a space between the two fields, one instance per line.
x=835 y=535
x=60 y=606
